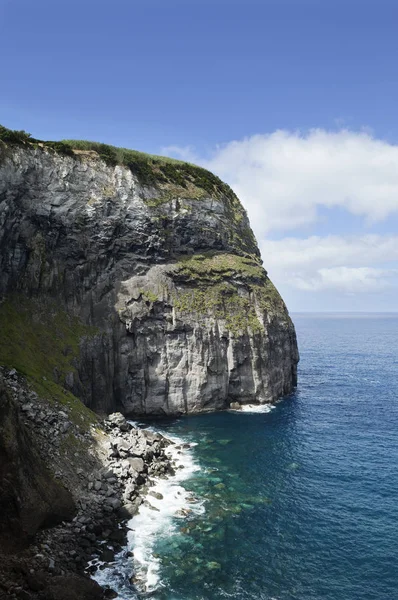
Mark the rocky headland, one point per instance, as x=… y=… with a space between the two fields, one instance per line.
x=149 y=271
x=130 y=285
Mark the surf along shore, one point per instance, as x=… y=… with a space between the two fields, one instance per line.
x=108 y=468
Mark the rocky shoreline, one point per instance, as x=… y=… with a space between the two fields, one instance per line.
x=107 y=469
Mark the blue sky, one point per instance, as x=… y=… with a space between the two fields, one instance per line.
x=293 y=102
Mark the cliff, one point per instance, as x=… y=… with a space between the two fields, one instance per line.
x=69 y=484
x=134 y=282
x=30 y=498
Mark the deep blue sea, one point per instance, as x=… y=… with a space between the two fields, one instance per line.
x=299 y=503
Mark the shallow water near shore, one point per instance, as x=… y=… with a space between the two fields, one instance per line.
x=299 y=502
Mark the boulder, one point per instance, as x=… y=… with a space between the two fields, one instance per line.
x=136 y=464
x=119 y=421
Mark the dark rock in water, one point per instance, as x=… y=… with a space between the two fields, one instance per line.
x=109 y=594
x=150 y=506
x=107 y=555
x=157 y=281
x=156 y=495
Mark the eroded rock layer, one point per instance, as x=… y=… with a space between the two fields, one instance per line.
x=147 y=279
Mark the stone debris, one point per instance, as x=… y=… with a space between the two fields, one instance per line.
x=108 y=469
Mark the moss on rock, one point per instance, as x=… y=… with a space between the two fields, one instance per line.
x=225 y=287
x=214 y=267
x=42 y=343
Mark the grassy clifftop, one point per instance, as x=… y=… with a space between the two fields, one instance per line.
x=170 y=180
x=149 y=169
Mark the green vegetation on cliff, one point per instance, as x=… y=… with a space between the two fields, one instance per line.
x=150 y=169
x=42 y=343
x=214 y=267
x=170 y=181
x=231 y=288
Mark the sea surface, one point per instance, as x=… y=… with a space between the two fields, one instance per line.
x=295 y=503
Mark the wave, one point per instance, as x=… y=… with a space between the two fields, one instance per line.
x=252 y=408
x=165 y=503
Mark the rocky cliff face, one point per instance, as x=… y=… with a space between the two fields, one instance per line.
x=30 y=497
x=145 y=278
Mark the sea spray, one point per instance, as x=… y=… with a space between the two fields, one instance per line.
x=135 y=570
x=176 y=544
x=301 y=500
x=252 y=408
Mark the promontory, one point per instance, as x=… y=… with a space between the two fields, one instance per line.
x=134 y=282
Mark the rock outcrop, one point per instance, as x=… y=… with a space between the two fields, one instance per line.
x=69 y=484
x=148 y=277
x=30 y=497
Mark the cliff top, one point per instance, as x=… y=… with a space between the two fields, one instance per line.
x=150 y=169
x=166 y=180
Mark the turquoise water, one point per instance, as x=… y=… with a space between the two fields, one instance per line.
x=301 y=502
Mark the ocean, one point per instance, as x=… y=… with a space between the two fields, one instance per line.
x=299 y=502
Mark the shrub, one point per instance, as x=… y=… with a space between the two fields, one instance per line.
x=13 y=136
x=60 y=147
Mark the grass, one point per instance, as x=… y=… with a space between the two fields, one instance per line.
x=12 y=136
x=42 y=343
x=222 y=302
x=214 y=267
x=169 y=178
x=150 y=169
x=225 y=287
x=149 y=296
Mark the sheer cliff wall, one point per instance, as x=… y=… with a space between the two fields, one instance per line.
x=137 y=287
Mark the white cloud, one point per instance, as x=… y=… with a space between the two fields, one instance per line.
x=355 y=264
x=348 y=280
x=334 y=250
x=282 y=178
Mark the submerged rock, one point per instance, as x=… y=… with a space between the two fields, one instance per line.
x=212 y=565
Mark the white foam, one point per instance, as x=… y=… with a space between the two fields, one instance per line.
x=150 y=525
x=253 y=408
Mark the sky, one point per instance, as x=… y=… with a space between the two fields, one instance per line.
x=292 y=102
